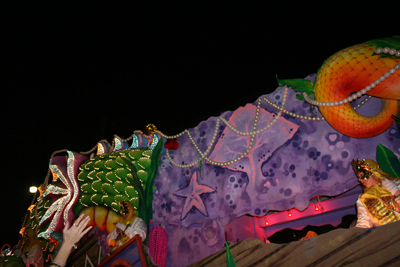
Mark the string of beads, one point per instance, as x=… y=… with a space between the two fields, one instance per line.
x=363 y=91
x=253 y=133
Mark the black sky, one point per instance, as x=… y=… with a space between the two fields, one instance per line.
x=74 y=74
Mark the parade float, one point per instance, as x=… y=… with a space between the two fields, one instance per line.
x=283 y=161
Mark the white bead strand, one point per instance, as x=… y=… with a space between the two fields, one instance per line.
x=363 y=91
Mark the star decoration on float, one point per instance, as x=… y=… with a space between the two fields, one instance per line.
x=192 y=194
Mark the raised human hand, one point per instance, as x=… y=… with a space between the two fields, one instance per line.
x=73 y=234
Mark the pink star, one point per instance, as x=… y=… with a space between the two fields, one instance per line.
x=192 y=194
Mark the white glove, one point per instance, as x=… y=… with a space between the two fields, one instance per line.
x=131 y=232
x=120 y=226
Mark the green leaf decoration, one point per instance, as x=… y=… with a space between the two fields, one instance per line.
x=87 y=188
x=230 y=262
x=298 y=85
x=41 y=212
x=130 y=192
x=107 y=200
x=88 y=166
x=101 y=176
x=119 y=198
x=32 y=223
x=82 y=175
x=92 y=175
x=137 y=186
x=398 y=122
x=111 y=164
x=145 y=162
x=135 y=154
x=115 y=206
x=109 y=189
x=135 y=179
x=153 y=170
x=96 y=199
x=110 y=177
x=99 y=165
x=155 y=162
x=120 y=187
x=120 y=175
x=388 y=161
x=97 y=186
x=121 y=161
x=300 y=97
x=85 y=200
x=392 y=42
x=142 y=175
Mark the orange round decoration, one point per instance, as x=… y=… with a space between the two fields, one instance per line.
x=120 y=263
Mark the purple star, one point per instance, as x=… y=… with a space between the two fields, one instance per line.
x=192 y=194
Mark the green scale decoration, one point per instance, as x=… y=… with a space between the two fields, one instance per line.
x=121 y=175
x=106 y=179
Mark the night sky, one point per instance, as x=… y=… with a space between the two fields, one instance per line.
x=73 y=75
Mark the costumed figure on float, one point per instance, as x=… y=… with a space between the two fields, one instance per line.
x=130 y=226
x=378 y=205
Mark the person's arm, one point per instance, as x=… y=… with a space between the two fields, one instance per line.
x=71 y=235
x=391 y=187
x=111 y=237
x=137 y=227
x=363 y=217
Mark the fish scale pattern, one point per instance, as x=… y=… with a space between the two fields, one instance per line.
x=158 y=241
x=104 y=179
x=349 y=71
